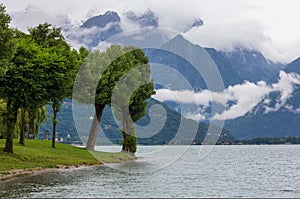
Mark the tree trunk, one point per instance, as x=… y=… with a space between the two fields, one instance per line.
x=23 y=127
x=129 y=139
x=54 y=122
x=12 y=114
x=125 y=147
x=95 y=127
x=31 y=124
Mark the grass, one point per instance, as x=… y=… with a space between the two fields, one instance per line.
x=38 y=154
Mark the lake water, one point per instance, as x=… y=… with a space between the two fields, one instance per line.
x=227 y=171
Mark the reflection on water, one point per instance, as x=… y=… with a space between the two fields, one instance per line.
x=228 y=171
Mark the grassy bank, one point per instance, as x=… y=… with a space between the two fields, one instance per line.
x=38 y=154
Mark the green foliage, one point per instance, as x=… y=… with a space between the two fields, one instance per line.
x=6 y=43
x=24 y=80
x=130 y=141
x=104 y=69
x=108 y=70
x=46 y=36
x=62 y=64
x=6 y=53
x=130 y=94
x=40 y=118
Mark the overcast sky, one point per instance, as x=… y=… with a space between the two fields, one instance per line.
x=271 y=26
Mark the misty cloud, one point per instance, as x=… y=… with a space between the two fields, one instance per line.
x=286 y=86
x=238 y=99
x=268 y=26
x=32 y=16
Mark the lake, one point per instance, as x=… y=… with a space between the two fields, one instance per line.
x=226 y=171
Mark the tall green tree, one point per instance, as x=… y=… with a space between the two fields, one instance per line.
x=6 y=40
x=130 y=95
x=29 y=69
x=6 y=54
x=25 y=87
x=98 y=75
x=62 y=65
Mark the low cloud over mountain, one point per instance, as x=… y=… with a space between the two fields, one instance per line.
x=227 y=24
x=238 y=99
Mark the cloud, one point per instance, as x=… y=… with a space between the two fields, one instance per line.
x=238 y=99
x=245 y=97
x=195 y=116
x=269 y=26
x=286 y=86
x=32 y=16
x=88 y=36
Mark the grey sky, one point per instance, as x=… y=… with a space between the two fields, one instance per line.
x=271 y=26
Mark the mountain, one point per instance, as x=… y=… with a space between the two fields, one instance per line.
x=167 y=55
x=293 y=67
x=279 y=123
x=275 y=124
x=235 y=67
x=243 y=64
x=198 y=23
x=102 y=20
x=148 y=19
x=168 y=134
x=100 y=28
x=96 y=29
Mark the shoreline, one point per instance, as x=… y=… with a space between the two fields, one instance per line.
x=17 y=173
x=37 y=157
x=14 y=174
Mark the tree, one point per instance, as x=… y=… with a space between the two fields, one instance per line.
x=30 y=87
x=24 y=85
x=106 y=68
x=30 y=120
x=6 y=53
x=100 y=68
x=62 y=66
x=130 y=95
x=6 y=42
x=40 y=118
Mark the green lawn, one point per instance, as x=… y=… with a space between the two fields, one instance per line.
x=39 y=154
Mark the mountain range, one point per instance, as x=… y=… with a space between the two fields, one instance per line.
x=279 y=123
x=111 y=133
x=275 y=113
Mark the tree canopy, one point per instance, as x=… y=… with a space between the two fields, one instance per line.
x=60 y=69
x=99 y=76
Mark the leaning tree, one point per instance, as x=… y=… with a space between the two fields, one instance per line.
x=100 y=73
x=130 y=95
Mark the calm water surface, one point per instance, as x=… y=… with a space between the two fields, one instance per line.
x=227 y=171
